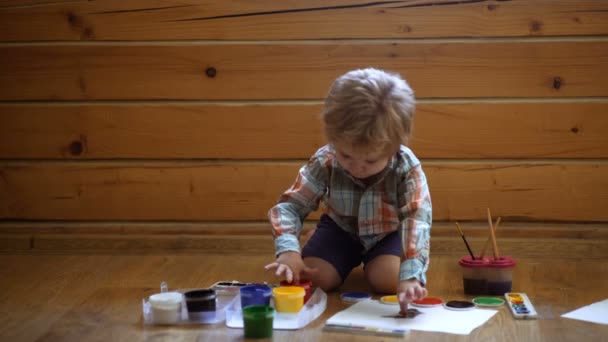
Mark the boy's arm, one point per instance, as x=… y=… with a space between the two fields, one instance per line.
x=416 y=213
x=296 y=203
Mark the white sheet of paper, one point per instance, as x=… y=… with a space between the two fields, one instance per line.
x=369 y=313
x=596 y=313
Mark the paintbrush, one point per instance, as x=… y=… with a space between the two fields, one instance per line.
x=485 y=246
x=494 y=246
x=465 y=241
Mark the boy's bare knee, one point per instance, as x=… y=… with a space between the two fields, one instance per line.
x=382 y=274
x=326 y=277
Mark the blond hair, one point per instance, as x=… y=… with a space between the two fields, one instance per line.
x=369 y=109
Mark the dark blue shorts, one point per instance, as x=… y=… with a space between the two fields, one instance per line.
x=344 y=250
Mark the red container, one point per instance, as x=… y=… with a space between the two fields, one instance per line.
x=306 y=284
x=488 y=276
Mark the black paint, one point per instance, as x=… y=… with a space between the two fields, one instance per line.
x=200 y=300
x=459 y=304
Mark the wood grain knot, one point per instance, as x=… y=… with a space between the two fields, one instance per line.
x=74 y=20
x=405 y=28
x=211 y=72
x=492 y=7
x=557 y=82
x=574 y=130
x=76 y=148
x=535 y=26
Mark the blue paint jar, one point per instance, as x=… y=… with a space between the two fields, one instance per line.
x=256 y=294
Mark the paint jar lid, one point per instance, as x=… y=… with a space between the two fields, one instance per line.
x=355 y=296
x=258 y=311
x=258 y=289
x=428 y=302
x=390 y=300
x=502 y=262
x=289 y=291
x=302 y=282
x=467 y=261
x=488 y=301
x=200 y=295
x=459 y=305
x=166 y=299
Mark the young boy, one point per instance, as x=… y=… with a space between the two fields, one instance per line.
x=377 y=202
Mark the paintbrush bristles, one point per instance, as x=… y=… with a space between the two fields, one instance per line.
x=494 y=246
x=459 y=229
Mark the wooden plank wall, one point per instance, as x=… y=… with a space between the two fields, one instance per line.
x=150 y=126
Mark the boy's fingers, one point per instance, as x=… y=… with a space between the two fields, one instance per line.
x=423 y=293
x=402 y=301
x=410 y=294
x=280 y=270
x=272 y=265
x=289 y=275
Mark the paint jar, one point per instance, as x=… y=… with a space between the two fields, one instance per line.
x=303 y=283
x=255 y=295
x=257 y=321
x=200 y=304
x=289 y=299
x=487 y=276
x=166 y=307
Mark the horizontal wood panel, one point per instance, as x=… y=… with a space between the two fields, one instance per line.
x=299 y=70
x=517 y=239
x=245 y=191
x=290 y=131
x=276 y=19
x=116 y=244
x=474 y=230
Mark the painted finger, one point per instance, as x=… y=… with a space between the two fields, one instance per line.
x=402 y=302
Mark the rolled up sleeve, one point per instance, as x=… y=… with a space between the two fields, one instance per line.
x=415 y=231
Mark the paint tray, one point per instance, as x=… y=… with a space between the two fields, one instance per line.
x=313 y=308
x=222 y=302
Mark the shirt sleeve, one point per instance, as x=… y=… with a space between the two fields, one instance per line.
x=296 y=203
x=416 y=219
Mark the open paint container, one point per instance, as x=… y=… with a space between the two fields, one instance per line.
x=303 y=283
x=487 y=276
x=258 y=320
x=166 y=307
x=288 y=299
x=255 y=295
x=200 y=304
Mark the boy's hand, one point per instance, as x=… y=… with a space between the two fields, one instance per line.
x=291 y=265
x=408 y=291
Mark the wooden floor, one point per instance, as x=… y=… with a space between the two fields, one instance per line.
x=98 y=298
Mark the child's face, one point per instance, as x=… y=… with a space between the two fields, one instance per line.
x=360 y=164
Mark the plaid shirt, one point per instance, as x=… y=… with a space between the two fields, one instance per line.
x=397 y=198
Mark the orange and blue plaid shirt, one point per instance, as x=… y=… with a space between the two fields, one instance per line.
x=397 y=198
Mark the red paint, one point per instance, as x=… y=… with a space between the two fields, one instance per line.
x=429 y=301
x=306 y=284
